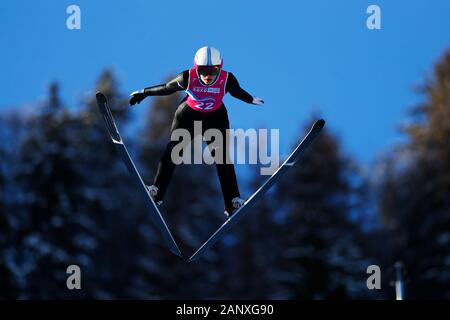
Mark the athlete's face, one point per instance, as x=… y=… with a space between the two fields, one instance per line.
x=208 y=78
x=208 y=74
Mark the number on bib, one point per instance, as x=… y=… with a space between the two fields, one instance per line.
x=200 y=105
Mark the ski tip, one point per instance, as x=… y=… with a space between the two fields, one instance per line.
x=100 y=96
x=319 y=124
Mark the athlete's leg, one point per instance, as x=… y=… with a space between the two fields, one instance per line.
x=182 y=120
x=225 y=169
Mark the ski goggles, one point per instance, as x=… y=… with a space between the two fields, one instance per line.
x=208 y=70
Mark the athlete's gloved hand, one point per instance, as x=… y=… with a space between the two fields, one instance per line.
x=257 y=101
x=137 y=97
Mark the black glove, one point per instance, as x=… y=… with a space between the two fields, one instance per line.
x=137 y=97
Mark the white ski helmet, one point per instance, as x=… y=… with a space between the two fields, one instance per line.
x=208 y=56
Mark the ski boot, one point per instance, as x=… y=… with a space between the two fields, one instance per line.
x=236 y=203
x=153 y=190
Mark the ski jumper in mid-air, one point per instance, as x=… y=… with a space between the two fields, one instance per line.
x=205 y=84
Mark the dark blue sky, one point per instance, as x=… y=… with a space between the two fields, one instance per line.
x=299 y=56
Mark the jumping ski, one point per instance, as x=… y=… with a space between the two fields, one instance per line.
x=118 y=142
x=288 y=163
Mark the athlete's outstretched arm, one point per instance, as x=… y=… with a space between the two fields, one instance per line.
x=236 y=91
x=177 y=84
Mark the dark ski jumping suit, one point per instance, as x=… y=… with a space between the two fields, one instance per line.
x=212 y=115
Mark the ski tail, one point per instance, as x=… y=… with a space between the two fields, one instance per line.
x=258 y=194
x=156 y=216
